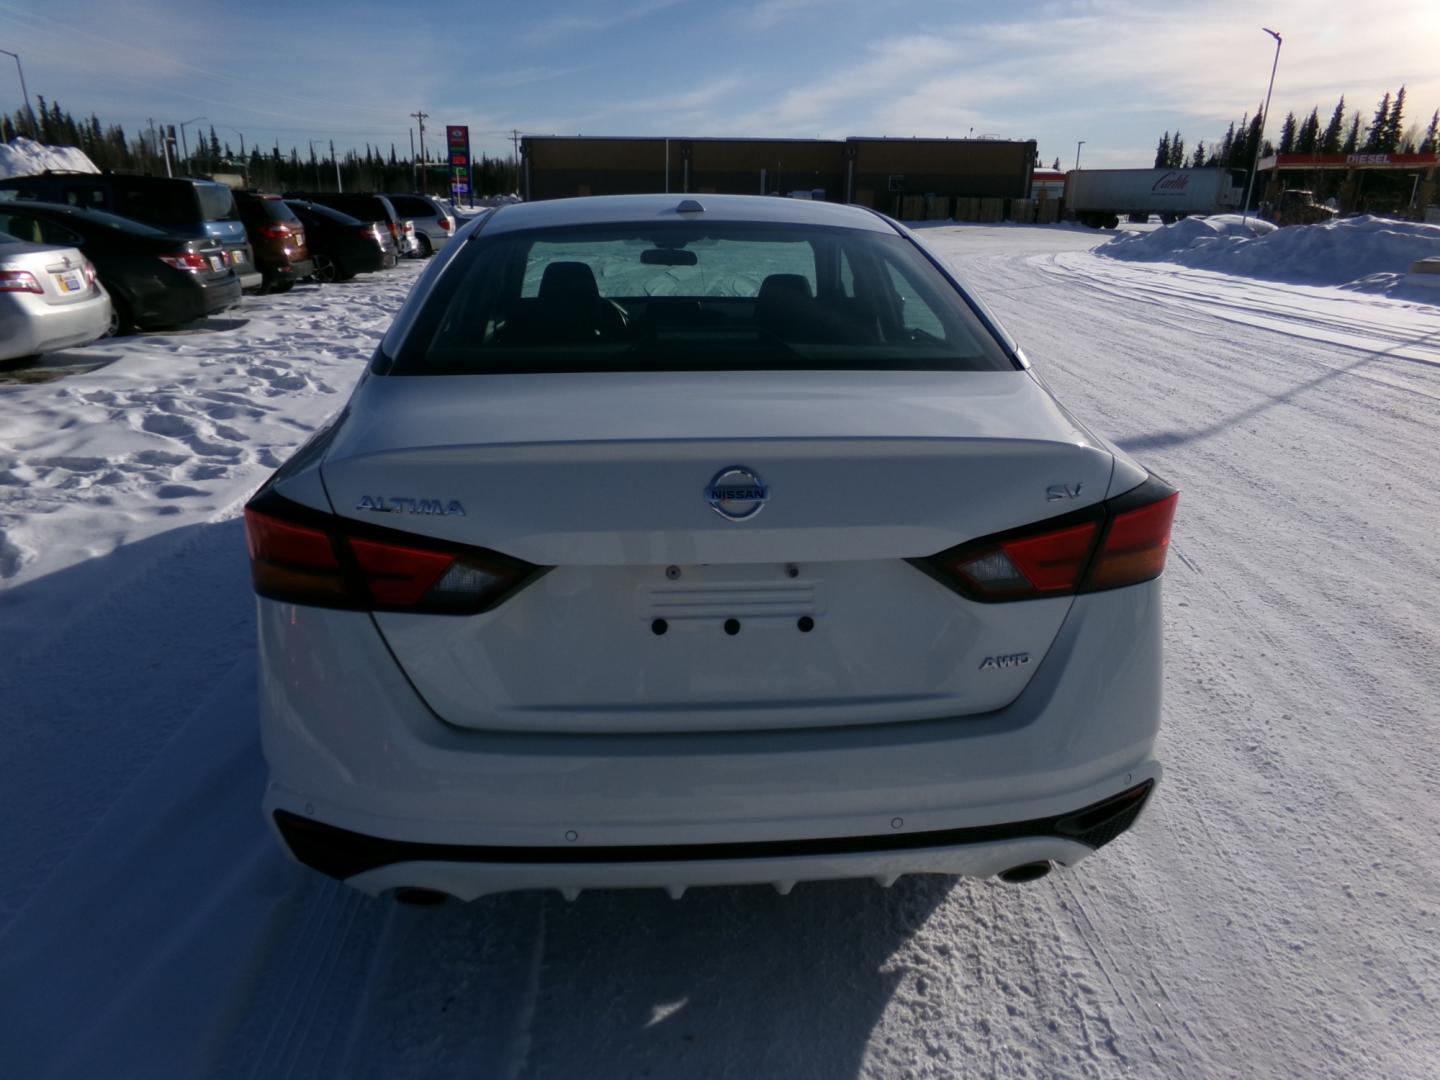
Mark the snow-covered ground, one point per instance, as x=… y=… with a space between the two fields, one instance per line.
x=1276 y=914
x=26 y=157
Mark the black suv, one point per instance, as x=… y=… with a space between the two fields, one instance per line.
x=364 y=208
x=181 y=206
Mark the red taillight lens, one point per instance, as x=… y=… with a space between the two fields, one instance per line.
x=89 y=272
x=186 y=260
x=444 y=224
x=276 y=232
x=19 y=281
x=327 y=561
x=1135 y=546
x=293 y=562
x=1060 y=557
x=399 y=576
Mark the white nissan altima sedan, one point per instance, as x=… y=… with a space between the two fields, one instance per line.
x=675 y=541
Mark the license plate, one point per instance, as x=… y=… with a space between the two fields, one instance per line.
x=299 y=239
x=237 y=257
x=217 y=262
x=70 y=281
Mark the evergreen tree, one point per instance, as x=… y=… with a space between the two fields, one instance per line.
x=1162 y=151
x=1198 y=161
x=7 y=129
x=1227 y=147
x=1056 y=166
x=1431 y=141
x=1253 y=149
x=1308 y=140
x=1330 y=141
x=1352 y=137
x=1393 y=124
x=1176 y=160
x=1378 y=126
x=1287 y=134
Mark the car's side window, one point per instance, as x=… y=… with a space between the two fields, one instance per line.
x=22 y=227
x=50 y=233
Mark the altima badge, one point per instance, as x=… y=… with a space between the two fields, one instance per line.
x=1056 y=492
x=380 y=505
x=737 y=493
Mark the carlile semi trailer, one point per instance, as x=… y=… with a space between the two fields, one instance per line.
x=1101 y=197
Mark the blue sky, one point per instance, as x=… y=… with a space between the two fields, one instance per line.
x=1114 y=73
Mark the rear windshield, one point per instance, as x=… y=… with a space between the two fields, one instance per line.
x=696 y=297
x=409 y=206
x=272 y=209
x=316 y=210
x=365 y=207
x=216 y=202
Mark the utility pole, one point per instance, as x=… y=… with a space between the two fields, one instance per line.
x=34 y=130
x=1077 y=154
x=420 y=118
x=1260 y=139
x=515 y=141
x=414 y=179
x=339 y=187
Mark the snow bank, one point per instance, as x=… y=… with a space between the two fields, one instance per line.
x=25 y=157
x=1366 y=253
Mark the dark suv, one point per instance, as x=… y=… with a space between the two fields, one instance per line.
x=181 y=206
x=278 y=237
x=363 y=207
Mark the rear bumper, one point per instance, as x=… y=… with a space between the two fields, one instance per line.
x=223 y=294
x=350 y=745
x=29 y=325
x=376 y=863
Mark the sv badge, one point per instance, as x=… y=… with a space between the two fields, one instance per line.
x=1057 y=492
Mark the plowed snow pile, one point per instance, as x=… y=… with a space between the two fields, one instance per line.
x=1367 y=253
x=25 y=157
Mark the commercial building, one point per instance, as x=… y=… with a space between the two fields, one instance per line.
x=876 y=172
x=1358 y=183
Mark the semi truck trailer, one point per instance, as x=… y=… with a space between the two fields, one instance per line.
x=1100 y=197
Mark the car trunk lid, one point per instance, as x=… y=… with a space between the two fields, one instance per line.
x=662 y=614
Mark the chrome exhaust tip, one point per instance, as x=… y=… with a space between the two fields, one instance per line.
x=1030 y=871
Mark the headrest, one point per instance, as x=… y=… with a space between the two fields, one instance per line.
x=568 y=282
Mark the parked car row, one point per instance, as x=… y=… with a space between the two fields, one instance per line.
x=88 y=254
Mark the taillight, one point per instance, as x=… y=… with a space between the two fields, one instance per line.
x=89 y=272
x=1119 y=542
x=1135 y=544
x=19 y=281
x=186 y=260
x=303 y=556
x=276 y=232
x=444 y=223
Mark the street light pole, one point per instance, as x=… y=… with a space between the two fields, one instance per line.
x=420 y=118
x=1264 y=116
x=34 y=130
x=1077 y=154
x=184 y=146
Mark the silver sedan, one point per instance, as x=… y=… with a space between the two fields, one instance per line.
x=49 y=299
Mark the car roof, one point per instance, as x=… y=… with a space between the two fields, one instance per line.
x=643 y=209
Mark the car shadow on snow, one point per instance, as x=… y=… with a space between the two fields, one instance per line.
x=734 y=981
x=150 y=896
